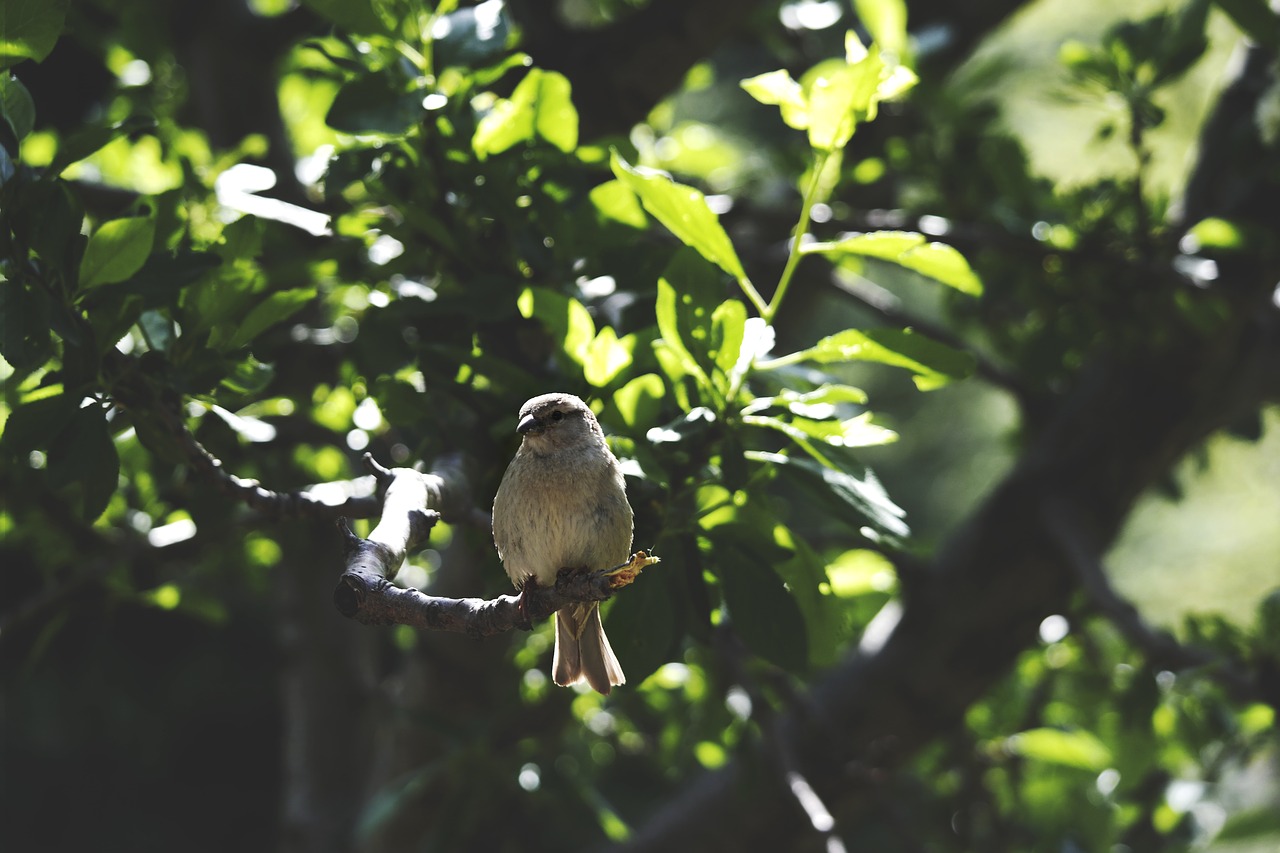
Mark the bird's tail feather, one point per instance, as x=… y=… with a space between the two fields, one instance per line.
x=583 y=650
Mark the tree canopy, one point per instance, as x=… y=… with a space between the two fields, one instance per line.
x=907 y=322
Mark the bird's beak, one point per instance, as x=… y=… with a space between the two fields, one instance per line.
x=527 y=424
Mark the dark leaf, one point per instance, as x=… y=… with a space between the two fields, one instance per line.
x=645 y=620
x=84 y=454
x=761 y=609
x=29 y=29
x=472 y=35
x=36 y=423
x=374 y=104
x=24 y=326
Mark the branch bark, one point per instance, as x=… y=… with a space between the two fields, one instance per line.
x=413 y=503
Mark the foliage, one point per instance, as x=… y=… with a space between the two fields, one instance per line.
x=475 y=251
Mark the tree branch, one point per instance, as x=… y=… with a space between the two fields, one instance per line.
x=413 y=503
x=1161 y=648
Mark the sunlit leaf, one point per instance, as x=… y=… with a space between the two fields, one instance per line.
x=639 y=401
x=566 y=320
x=1069 y=748
x=539 y=106
x=117 y=250
x=839 y=99
x=933 y=363
x=908 y=249
x=854 y=432
x=684 y=211
x=860 y=572
x=615 y=200
x=606 y=357
x=728 y=324
x=775 y=87
x=886 y=21
x=818 y=403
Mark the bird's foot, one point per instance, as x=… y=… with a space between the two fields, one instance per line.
x=623 y=575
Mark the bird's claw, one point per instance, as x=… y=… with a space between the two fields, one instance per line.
x=623 y=575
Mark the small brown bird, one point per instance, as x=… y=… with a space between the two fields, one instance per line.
x=563 y=505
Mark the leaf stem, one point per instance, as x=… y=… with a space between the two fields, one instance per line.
x=754 y=297
x=802 y=228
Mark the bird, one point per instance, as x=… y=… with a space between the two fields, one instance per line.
x=562 y=504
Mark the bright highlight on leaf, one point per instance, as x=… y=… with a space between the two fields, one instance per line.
x=539 y=107
x=684 y=211
x=933 y=364
x=907 y=249
x=1071 y=749
x=117 y=250
x=835 y=96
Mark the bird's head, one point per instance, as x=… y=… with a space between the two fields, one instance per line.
x=557 y=421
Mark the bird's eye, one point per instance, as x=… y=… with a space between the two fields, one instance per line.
x=557 y=416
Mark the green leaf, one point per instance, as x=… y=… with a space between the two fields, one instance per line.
x=908 y=249
x=684 y=211
x=886 y=21
x=839 y=99
x=555 y=118
x=566 y=320
x=639 y=401
x=763 y=612
x=616 y=201
x=84 y=454
x=29 y=29
x=351 y=16
x=645 y=622
x=857 y=431
x=471 y=36
x=25 y=341
x=668 y=316
x=933 y=363
x=775 y=87
x=825 y=626
x=48 y=221
x=539 y=106
x=1070 y=749
x=606 y=357
x=728 y=325
x=375 y=104
x=117 y=250
x=249 y=376
x=16 y=106
x=852 y=487
x=36 y=423
x=819 y=403
x=275 y=308
x=87 y=141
